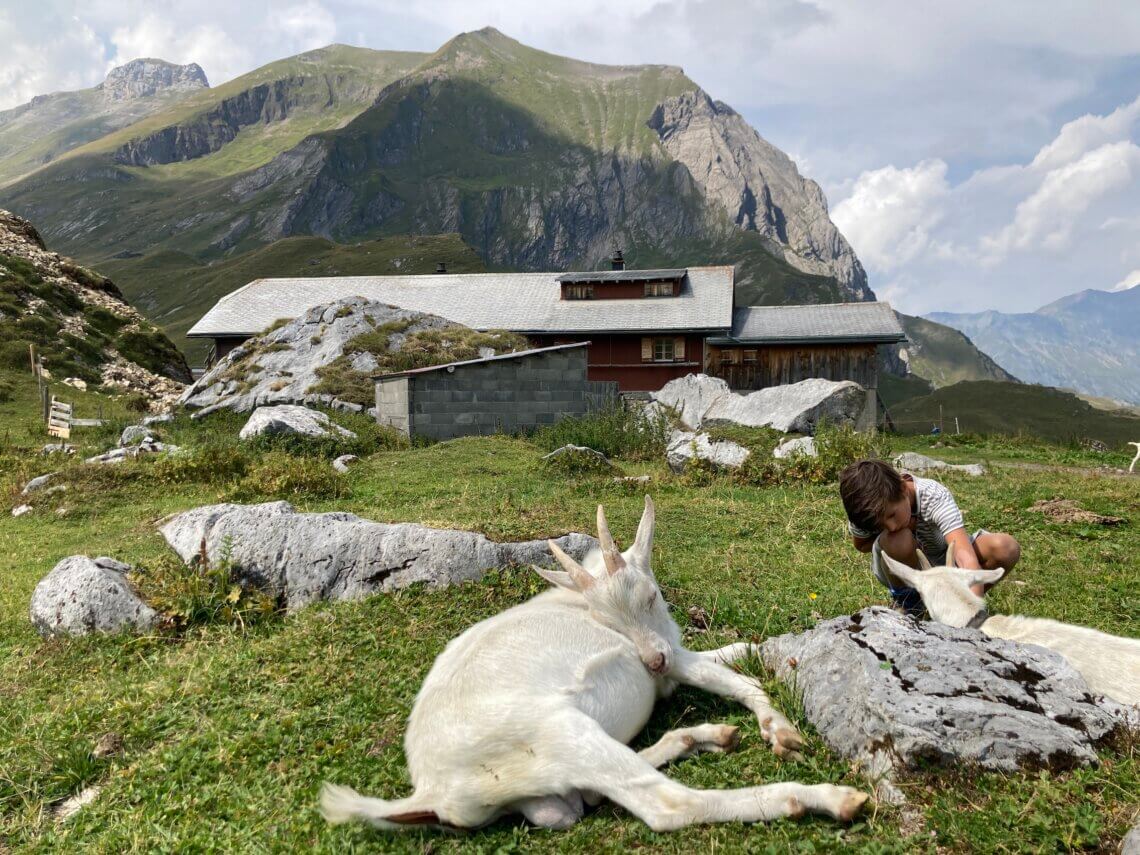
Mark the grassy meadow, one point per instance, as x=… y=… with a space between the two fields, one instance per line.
x=231 y=721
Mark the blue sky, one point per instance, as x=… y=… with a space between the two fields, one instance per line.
x=976 y=154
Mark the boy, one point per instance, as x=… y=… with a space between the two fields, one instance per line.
x=900 y=514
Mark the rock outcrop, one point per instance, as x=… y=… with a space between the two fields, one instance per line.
x=79 y=321
x=337 y=556
x=284 y=365
x=758 y=186
x=686 y=448
x=887 y=691
x=700 y=401
x=82 y=595
x=289 y=419
x=144 y=78
x=914 y=462
x=803 y=445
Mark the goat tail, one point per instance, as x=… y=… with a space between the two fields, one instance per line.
x=343 y=804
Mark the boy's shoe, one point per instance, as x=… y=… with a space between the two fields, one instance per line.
x=907 y=601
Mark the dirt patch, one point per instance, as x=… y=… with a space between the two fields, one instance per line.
x=1067 y=511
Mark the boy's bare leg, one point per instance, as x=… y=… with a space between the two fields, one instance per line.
x=997 y=550
x=903 y=547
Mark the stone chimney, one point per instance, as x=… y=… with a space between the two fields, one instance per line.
x=617 y=262
x=441 y=267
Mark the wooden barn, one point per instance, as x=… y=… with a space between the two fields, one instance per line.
x=644 y=327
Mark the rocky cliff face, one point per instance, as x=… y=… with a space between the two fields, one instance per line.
x=142 y=78
x=758 y=186
x=78 y=321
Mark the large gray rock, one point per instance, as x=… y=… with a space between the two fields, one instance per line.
x=37 y=483
x=280 y=367
x=577 y=456
x=700 y=400
x=147 y=446
x=338 y=556
x=914 y=462
x=803 y=445
x=685 y=447
x=82 y=595
x=134 y=434
x=1131 y=843
x=291 y=419
x=886 y=691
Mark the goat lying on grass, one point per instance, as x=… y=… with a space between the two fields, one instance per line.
x=530 y=711
x=1110 y=664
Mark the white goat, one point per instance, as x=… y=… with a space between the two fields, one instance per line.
x=1132 y=465
x=530 y=711
x=1110 y=664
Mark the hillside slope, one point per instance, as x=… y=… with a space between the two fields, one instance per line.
x=49 y=126
x=77 y=320
x=944 y=356
x=1088 y=341
x=537 y=161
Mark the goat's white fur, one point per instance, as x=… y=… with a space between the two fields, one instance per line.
x=1110 y=664
x=530 y=711
x=1135 y=459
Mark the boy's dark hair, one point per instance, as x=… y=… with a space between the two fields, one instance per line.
x=867 y=487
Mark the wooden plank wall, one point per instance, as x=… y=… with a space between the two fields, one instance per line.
x=777 y=366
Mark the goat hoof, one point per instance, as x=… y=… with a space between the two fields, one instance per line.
x=795 y=808
x=729 y=737
x=852 y=804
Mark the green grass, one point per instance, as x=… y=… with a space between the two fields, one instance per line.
x=993 y=407
x=229 y=726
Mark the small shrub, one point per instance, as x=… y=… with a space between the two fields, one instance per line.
x=136 y=402
x=616 y=431
x=104 y=320
x=7 y=391
x=151 y=349
x=577 y=464
x=14 y=353
x=201 y=593
x=282 y=476
x=208 y=464
x=836 y=446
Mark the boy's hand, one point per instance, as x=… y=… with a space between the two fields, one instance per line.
x=965 y=557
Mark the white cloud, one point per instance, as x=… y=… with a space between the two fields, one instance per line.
x=1087 y=133
x=41 y=56
x=891 y=213
x=305 y=26
x=1129 y=281
x=1047 y=219
x=160 y=37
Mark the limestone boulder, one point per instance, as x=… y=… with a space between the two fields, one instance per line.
x=886 y=691
x=147 y=446
x=134 y=434
x=685 y=446
x=1131 y=842
x=700 y=400
x=914 y=462
x=306 y=557
x=577 y=457
x=290 y=419
x=345 y=462
x=82 y=595
x=37 y=483
x=803 y=445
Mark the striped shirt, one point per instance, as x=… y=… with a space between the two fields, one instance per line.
x=937 y=515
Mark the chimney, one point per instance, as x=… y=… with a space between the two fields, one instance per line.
x=440 y=267
x=617 y=262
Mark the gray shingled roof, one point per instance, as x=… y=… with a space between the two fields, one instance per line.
x=514 y=354
x=521 y=302
x=623 y=275
x=835 y=322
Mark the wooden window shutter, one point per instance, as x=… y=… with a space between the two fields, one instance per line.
x=679 y=349
x=647 y=350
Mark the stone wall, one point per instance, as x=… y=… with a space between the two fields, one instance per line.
x=493 y=395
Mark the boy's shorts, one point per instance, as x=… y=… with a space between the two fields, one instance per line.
x=907 y=598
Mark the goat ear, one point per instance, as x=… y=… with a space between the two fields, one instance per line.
x=578 y=574
x=897 y=568
x=986 y=577
x=556 y=577
x=643 y=543
x=923 y=561
x=610 y=554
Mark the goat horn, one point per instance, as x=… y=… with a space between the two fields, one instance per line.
x=610 y=554
x=578 y=573
x=923 y=561
x=643 y=543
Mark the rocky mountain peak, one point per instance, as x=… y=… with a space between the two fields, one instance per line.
x=143 y=78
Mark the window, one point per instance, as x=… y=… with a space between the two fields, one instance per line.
x=663 y=349
x=576 y=291
x=730 y=357
x=658 y=289
x=750 y=357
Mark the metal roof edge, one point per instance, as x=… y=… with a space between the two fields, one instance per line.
x=516 y=354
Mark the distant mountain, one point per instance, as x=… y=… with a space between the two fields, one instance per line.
x=1089 y=342
x=943 y=356
x=536 y=161
x=49 y=126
